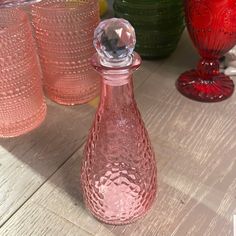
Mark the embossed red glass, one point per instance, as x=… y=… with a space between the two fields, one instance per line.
x=212 y=28
x=64 y=34
x=22 y=106
x=119 y=170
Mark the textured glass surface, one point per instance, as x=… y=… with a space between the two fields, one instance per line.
x=119 y=170
x=14 y=3
x=64 y=33
x=158 y=24
x=212 y=28
x=22 y=106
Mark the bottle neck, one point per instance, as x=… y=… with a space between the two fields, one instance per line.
x=117 y=84
x=116 y=97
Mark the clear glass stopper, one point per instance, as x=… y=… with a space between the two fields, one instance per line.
x=114 y=40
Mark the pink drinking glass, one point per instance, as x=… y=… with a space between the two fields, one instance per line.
x=22 y=105
x=15 y=3
x=118 y=176
x=64 y=34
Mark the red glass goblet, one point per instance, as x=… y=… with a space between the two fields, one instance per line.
x=212 y=28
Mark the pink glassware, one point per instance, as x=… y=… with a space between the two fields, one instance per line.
x=22 y=106
x=64 y=34
x=15 y=3
x=118 y=175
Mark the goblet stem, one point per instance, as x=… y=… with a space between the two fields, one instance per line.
x=208 y=68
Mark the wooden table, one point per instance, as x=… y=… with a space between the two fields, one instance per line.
x=195 y=145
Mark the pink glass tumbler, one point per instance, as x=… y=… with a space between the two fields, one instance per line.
x=22 y=105
x=118 y=175
x=64 y=34
x=15 y=3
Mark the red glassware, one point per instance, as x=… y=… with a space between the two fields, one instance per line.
x=212 y=28
x=119 y=170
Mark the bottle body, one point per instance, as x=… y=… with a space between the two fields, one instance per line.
x=119 y=169
x=158 y=24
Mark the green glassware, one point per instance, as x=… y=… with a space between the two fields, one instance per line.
x=158 y=24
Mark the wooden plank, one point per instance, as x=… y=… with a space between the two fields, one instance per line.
x=59 y=197
x=27 y=162
x=51 y=224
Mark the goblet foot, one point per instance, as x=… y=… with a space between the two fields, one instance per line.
x=216 y=89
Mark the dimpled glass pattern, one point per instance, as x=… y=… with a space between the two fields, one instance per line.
x=22 y=105
x=64 y=33
x=118 y=174
x=212 y=28
x=14 y=3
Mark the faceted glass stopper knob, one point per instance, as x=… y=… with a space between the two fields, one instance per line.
x=114 y=40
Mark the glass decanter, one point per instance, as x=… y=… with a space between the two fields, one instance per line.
x=118 y=175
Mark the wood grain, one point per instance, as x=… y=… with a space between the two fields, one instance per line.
x=27 y=162
x=196 y=153
x=50 y=224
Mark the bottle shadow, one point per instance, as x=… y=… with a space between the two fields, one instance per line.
x=47 y=154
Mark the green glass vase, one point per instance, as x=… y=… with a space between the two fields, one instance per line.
x=158 y=24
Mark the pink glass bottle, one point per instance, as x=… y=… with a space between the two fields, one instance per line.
x=118 y=175
x=22 y=105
